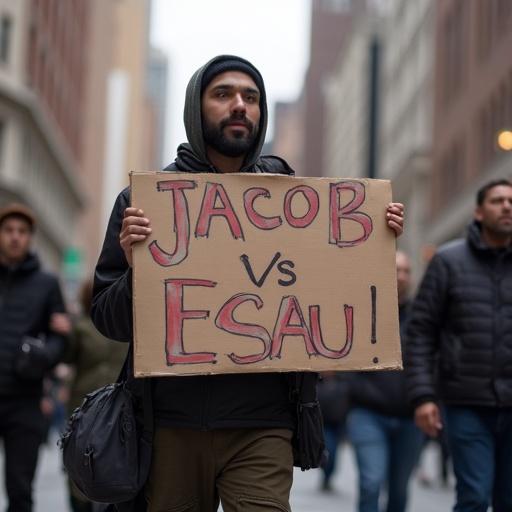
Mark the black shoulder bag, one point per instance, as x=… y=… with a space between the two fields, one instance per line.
x=106 y=451
x=308 y=438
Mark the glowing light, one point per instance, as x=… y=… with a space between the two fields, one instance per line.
x=505 y=140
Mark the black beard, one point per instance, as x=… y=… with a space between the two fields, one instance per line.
x=238 y=146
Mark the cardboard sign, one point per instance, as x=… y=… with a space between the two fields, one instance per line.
x=260 y=273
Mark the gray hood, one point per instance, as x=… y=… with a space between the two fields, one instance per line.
x=193 y=121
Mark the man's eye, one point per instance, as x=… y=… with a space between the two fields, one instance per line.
x=251 y=98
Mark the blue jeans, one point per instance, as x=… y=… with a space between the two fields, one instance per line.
x=332 y=435
x=387 y=449
x=480 y=441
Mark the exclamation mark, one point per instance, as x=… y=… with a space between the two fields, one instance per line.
x=373 y=291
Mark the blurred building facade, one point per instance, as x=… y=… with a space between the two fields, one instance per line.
x=407 y=116
x=77 y=113
x=289 y=133
x=351 y=102
x=42 y=66
x=473 y=103
x=158 y=71
x=330 y=23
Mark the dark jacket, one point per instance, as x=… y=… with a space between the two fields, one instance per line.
x=28 y=297
x=462 y=317
x=201 y=402
x=383 y=391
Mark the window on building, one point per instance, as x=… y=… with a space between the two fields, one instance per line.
x=5 y=38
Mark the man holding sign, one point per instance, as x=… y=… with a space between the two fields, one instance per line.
x=218 y=437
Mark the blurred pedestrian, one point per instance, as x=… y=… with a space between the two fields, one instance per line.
x=462 y=319
x=96 y=361
x=380 y=425
x=333 y=396
x=29 y=348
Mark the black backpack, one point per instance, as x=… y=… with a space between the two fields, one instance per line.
x=106 y=449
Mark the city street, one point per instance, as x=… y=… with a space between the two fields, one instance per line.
x=50 y=493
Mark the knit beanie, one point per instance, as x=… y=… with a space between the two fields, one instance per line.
x=231 y=63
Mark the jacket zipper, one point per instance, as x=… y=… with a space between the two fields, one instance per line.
x=6 y=288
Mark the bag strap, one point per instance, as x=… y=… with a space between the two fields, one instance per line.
x=303 y=387
x=125 y=375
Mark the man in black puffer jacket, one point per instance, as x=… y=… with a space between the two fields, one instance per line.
x=29 y=298
x=462 y=317
x=224 y=437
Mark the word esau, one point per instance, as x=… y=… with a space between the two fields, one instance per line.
x=216 y=203
x=290 y=322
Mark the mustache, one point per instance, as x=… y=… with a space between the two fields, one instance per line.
x=240 y=119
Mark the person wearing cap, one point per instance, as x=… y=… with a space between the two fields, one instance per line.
x=224 y=437
x=29 y=347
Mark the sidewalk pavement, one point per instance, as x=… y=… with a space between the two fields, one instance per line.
x=51 y=495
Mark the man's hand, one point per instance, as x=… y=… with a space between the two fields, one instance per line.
x=428 y=418
x=395 y=217
x=135 y=228
x=60 y=324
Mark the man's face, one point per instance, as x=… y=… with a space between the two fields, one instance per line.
x=403 y=274
x=231 y=113
x=15 y=239
x=495 y=213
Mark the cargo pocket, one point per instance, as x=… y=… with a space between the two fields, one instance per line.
x=259 y=504
x=190 y=506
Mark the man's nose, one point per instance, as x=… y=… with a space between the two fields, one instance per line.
x=238 y=104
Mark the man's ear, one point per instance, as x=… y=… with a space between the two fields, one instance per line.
x=478 y=215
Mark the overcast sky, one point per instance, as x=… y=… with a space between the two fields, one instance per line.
x=272 y=34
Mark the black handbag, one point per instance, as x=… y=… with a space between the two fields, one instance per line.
x=32 y=361
x=308 y=437
x=106 y=450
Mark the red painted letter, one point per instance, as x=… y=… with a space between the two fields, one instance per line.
x=181 y=224
x=226 y=322
x=175 y=315
x=289 y=311
x=313 y=206
x=318 y=340
x=208 y=210
x=348 y=212
x=254 y=217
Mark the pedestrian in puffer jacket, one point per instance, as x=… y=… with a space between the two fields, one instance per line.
x=29 y=348
x=461 y=320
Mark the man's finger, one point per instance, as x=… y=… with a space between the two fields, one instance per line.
x=139 y=221
x=133 y=212
x=136 y=230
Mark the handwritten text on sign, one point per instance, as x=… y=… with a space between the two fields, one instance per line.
x=251 y=273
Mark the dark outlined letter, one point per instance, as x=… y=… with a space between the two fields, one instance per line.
x=226 y=322
x=175 y=315
x=181 y=224
x=254 y=217
x=318 y=339
x=313 y=200
x=289 y=311
x=349 y=212
x=208 y=210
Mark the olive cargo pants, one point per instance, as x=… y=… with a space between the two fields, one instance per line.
x=248 y=470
